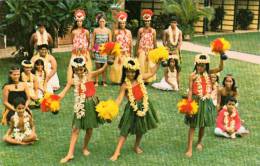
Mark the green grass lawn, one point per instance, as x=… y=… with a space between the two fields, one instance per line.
x=242 y=42
x=162 y=146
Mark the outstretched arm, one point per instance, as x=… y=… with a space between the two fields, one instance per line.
x=151 y=73
x=219 y=69
x=99 y=71
x=121 y=94
x=65 y=90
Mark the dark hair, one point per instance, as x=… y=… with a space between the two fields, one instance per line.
x=217 y=80
x=40 y=23
x=9 y=80
x=231 y=99
x=78 y=60
x=177 y=66
x=173 y=18
x=75 y=26
x=18 y=101
x=233 y=88
x=101 y=15
x=43 y=46
x=36 y=63
x=207 y=67
x=137 y=72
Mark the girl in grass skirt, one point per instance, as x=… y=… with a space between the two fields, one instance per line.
x=85 y=116
x=200 y=88
x=139 y=115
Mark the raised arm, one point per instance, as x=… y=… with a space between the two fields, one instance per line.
x=99 y=71
x=121 y=94
x=65 y=90
x=152 y=72
x=219 y=69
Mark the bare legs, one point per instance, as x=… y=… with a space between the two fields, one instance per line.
x=190 y=140
x=98 y=66
x=27 y=140
x=73 y=141
x=120 y=144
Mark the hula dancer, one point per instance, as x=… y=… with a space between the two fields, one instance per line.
x=200 y=88
x=122 y=36
x=85 y=116
x=139 y=115
x=146 y=41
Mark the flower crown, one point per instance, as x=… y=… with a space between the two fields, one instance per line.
x=121 y=16
x=79 y=15
x=200 y=58
x=81 y=61
x=27 y=63
x=135 y=66
x=147 y=14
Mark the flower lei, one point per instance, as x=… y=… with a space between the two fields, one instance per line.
x=25 y=77
x=232 y=123
x=174 y=42
x=37 y=74
x=79 y=107
x=199 y=84
x=133 y=104
x=17 y=134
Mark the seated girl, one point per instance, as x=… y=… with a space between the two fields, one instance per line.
x=22 y=130
x=170 y=81
x=229 y=89
x=228 y=123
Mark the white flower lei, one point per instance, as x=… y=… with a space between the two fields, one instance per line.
x=199 y=84
x=177 y=30
x=17 y=134
x=132 y=99
x=25 y=77
x=80 y=98
x=232 y=123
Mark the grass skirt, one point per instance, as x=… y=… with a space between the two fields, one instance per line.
x=133 y=124
x=205 y=116
x=90 y=120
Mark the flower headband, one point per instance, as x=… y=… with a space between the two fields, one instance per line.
x=27 y=63
x=78 y=61
x=202 y=58
x=121 y=16
x=147 y=14
x=79 y=15
x=131 y=64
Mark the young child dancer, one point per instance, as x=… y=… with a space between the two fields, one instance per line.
x=200 y=89
x=171 y=78
x=228 y=123
x=85 y=116
x=139 y=115
x=22 y=129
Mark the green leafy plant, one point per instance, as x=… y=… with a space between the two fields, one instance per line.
x=244 y=18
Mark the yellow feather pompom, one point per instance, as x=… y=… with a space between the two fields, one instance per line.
x=107 y=110
x=160 y=53
x=187 y=107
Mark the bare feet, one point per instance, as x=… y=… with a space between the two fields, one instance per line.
x=66 y=159
x=138 y=150
x=96 y=84
x=86 y=152
x=115 y=157
x=199 y=147
x=188 y=153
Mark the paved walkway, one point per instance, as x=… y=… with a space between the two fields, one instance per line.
x=187 y=46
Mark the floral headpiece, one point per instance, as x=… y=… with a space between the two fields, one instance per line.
x=27 y=63
x=79 y=15
x=78 y=61
x=202 y=58
x=131 y=64
x=147 y=14
x=121 y=16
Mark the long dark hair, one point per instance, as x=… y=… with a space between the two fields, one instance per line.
x=177 y=66
x=233 y=87
x=207 y=67
x=36 y=63
x=75 y=26
x=137 y=72
x=9 y=80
